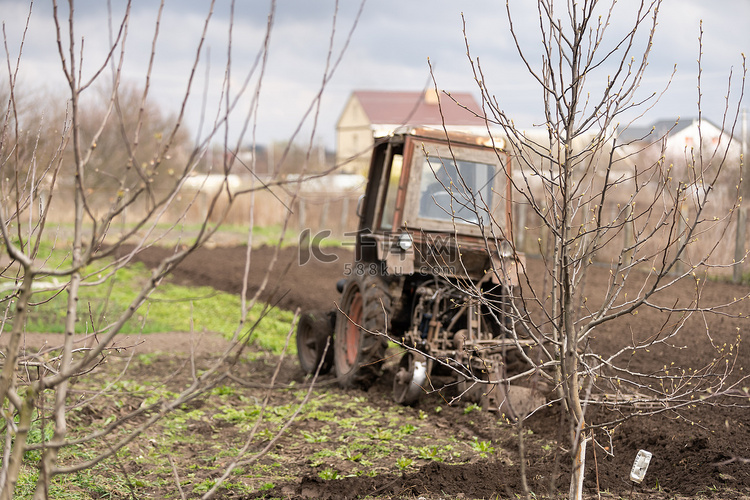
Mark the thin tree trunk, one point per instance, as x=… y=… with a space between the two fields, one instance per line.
x=579 y=466
x=19 y=448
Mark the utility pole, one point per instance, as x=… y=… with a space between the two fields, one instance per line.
x=739 y=245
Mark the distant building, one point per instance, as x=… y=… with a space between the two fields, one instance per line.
x=369 y=114
x=684 y=136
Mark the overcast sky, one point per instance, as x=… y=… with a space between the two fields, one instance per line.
x=388 y=50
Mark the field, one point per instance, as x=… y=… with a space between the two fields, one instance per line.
x=354 y=444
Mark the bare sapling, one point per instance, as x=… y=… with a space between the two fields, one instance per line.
x=105 y=158
x=593 y=198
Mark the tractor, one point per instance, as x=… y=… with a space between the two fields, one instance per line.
x=434 y=271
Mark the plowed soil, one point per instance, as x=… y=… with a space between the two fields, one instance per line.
x=697 y=451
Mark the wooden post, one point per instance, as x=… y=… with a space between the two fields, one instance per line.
x=344 y=214
x=324 y=214
x=740 y=235
x=739 y=245
x=519 y=227
x=301 y=213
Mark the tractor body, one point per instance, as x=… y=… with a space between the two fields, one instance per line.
x=434 y=271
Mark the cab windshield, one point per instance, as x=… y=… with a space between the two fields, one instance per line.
x=459 y=191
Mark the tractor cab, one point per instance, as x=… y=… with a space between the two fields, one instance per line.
x=429 y=195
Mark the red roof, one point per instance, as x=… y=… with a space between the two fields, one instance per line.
x=411 y=108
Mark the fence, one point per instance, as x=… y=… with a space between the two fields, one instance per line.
x=716 y=235
x=336 y=211
x=316 y=210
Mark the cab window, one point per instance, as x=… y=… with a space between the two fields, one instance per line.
x=391 y=194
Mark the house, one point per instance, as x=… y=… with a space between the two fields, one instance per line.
x=682 y=138
x=369 y=114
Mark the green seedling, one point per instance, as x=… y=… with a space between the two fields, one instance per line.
x=406 y=430
x=329 y=474
x=472 y=407
x=382 y=434
x=223 y=390
x=482 y=447
x=314 y=437
x=428 y=453
x=352 y=456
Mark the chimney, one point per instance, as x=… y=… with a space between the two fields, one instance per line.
x=431 y=96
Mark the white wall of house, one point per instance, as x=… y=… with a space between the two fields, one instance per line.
x=699 y=136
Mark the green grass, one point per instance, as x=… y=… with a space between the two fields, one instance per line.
x=102 y=481
x=229 y=233
x=167 y=233
x=170 y=308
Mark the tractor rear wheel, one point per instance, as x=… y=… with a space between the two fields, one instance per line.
x=359 y=341
x=313 y=331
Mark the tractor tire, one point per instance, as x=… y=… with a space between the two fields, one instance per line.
x=313 y=331
x=358 y=354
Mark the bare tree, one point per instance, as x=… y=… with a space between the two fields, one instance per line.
x=656 y=224
x=75 y=155
x=113 y=157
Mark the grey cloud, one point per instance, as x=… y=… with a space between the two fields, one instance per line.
x=388 y=50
